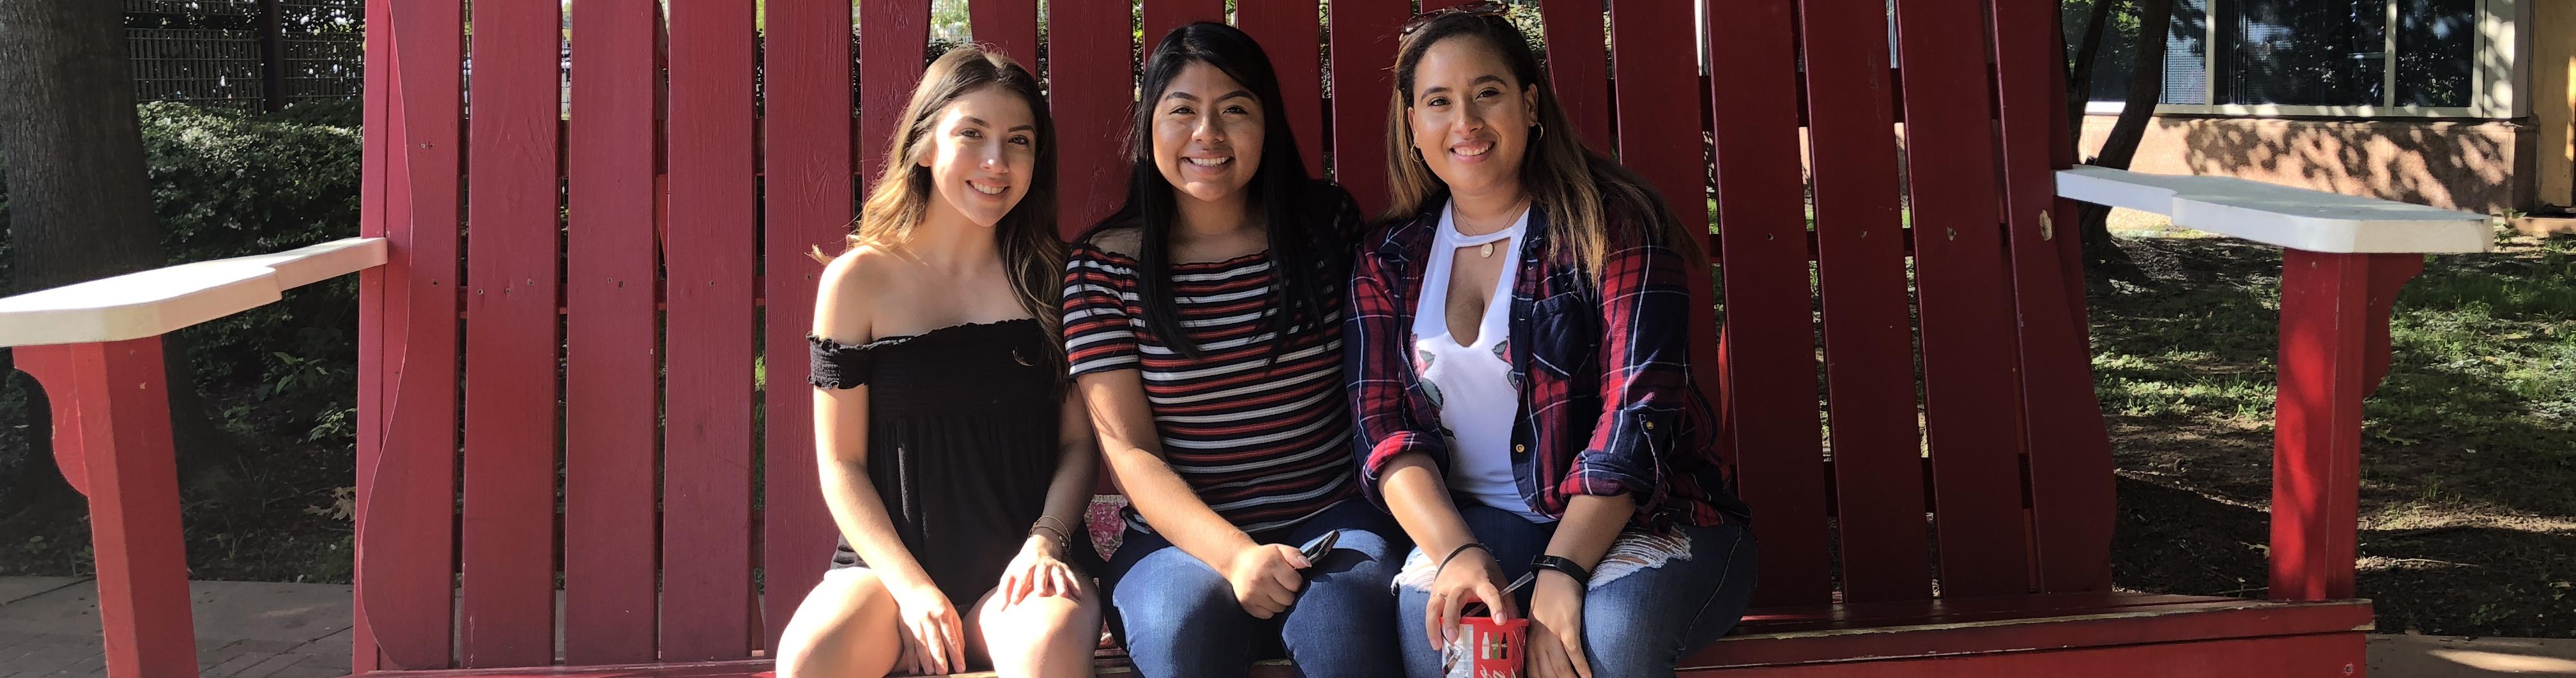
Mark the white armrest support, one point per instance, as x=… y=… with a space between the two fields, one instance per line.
x=2295 y=218
x=158 y=301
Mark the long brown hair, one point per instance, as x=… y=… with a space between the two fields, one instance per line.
x=1026 y=236
x=1579 y=189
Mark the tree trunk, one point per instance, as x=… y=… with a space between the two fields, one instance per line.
x=2146 y=88
x=79 y=204
x=2079 y=76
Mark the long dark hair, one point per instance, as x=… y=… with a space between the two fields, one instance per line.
x=1578 y=189
x=1304 y=252
x=1025 y=238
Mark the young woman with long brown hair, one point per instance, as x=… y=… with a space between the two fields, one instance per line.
x=954 y=457
x=1521 y=372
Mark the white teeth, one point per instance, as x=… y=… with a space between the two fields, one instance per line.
x=987 y=189
x=1209 y=162
x=1472 y=151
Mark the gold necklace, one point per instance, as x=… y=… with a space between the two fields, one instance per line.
x=1486 y=252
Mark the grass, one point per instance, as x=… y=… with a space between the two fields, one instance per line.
x=2468 y=497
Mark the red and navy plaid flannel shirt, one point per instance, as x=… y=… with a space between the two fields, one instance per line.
x=1608 y=406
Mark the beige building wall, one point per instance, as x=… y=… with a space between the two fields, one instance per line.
x=2481 y=166
x=2554 y=100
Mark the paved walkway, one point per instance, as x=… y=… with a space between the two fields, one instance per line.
x=49 y=627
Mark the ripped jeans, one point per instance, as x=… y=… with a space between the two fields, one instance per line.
x=1653 y=600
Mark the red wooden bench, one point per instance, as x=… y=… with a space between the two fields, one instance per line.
x=624 y=338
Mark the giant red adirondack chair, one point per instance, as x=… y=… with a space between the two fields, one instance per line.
x=561 y=422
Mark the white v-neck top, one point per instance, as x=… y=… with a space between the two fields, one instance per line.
x=1471 y=384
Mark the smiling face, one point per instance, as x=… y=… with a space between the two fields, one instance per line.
x=1470 y=118
x=1207 y=134
x=982 y=154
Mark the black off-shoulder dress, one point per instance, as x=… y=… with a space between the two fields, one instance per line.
x=962 y=442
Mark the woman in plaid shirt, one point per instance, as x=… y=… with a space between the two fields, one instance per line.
x=1520 y=371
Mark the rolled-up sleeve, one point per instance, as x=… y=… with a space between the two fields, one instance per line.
x=1645 y=377
x=1374 y=367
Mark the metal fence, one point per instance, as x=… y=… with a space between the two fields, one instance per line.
x=246 y=53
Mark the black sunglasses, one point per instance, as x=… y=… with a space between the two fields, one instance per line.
x=1489 y=8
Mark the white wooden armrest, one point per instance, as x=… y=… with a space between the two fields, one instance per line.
x=2296 y=218
x=158 y=301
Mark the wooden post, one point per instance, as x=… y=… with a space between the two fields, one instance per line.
x=272 y=56
x=2334 y=351
x=115 y=430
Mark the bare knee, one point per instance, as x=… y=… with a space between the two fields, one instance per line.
x=1041 y=636
x=845 y=627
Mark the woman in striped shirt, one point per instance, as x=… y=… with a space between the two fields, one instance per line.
x=1202 y=322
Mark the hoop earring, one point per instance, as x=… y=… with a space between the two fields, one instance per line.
x=1542 y=130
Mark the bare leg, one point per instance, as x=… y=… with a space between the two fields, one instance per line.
x=845 y=627
x=1041 y=637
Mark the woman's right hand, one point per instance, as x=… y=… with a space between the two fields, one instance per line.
x=934 y=636
x=1472 y=576
x=1265 y=578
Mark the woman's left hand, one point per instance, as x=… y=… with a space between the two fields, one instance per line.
x=1037 y=571
x=1556 y=628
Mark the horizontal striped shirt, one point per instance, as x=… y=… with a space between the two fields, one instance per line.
x=1260 y=430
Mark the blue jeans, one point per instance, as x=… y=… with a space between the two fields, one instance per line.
x=1179 y=618
x=1640 y=617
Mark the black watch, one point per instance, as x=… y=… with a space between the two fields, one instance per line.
x=1562 y=564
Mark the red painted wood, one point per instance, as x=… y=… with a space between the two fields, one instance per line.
x=2070 y=451
x=1091 y=86
x=2013 y=631
x=809 y=205
x=706 y=468
x=1008 y=25
x=1161 y=16
x=123 y=448
x=1959 y=273
x=2316 y=454
x=1770 y=335
x=373 y=156
x=1363 y=43
x=1578 y=67
x=731 y=669
x=406 y=468
x=1659 y=103
x=892 y=36
x=1869 y=361
x=510 y=346
x=610 y=409
x=1286 y=30
x=2323 y=654
x=1430 y=5
x=1773 y=620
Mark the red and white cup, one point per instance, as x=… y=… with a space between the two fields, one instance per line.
x=1487 y=648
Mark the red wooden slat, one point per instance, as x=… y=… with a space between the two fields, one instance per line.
x=892 y=35
x=1579 y=70
x=1659 y=102
x=510 y=347
x=121 y=451
x=407 y=467
x=1432 y=5
x=1959 y=272
x=809 y=205
x=1363 y=43
x=1770 y=333
x=1161 y=16
x=1869 y=361
x=1090 y=87
x=374 y=346
x=2318 y=654
x=706 y=477
x=610 y=408
x=2070 y=450
x=1008 y=25
x=1286 y=30
x=2332 y=312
